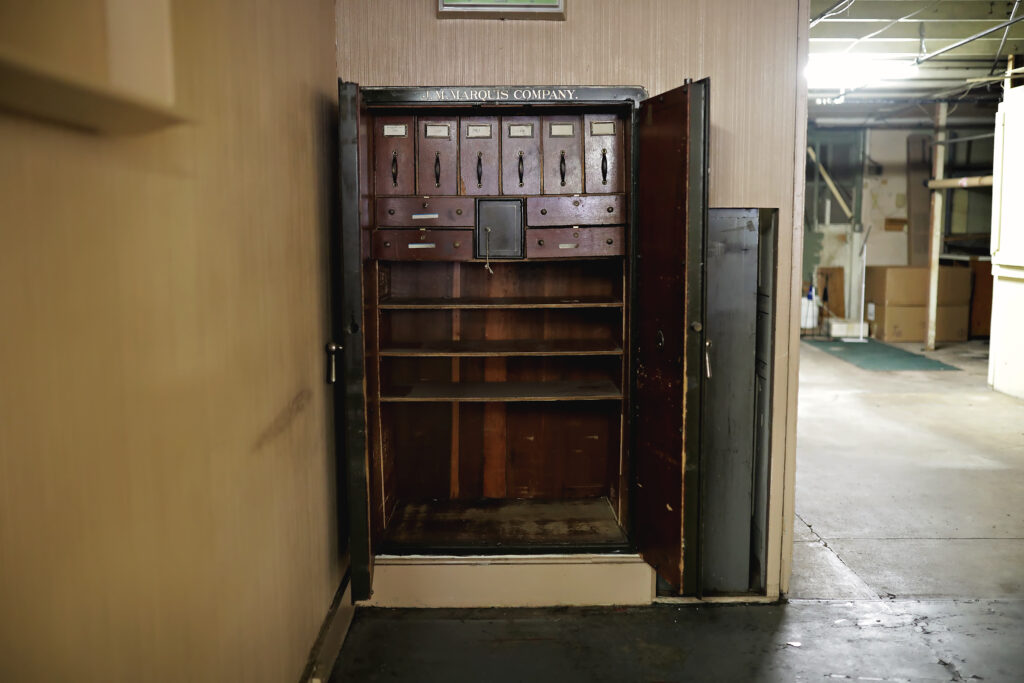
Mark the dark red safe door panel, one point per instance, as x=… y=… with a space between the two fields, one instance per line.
x=668 y=312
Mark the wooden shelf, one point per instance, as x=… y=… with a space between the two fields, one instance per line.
x=455 y=527
x=506 y=347
x=447 y=392
x=396 y=303
x=39 y=91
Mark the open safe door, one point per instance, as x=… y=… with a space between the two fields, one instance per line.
x=347 y=320
x=671 y=210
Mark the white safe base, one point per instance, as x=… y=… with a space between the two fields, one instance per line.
x=510 y=581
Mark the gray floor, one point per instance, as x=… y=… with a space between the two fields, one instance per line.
x=908 y=561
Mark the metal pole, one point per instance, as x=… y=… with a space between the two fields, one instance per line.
x=937 y=212
x=955 y=141
x=965 y=41
x=863 y=322
x=995 y=62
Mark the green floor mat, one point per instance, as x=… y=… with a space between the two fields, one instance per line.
x=874 y=355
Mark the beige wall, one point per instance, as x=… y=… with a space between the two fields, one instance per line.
x=748 y=49
x=166 y=486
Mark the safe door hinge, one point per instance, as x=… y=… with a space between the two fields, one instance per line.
x=332 y=350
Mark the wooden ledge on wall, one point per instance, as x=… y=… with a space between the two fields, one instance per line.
x=99 y=65
x=34 y=90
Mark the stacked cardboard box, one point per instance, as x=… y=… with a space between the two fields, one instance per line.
x=897 y=299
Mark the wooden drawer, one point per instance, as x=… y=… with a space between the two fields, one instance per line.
x=425 y=212
x=422 y=245
x=437 y=156
x=570 y=242
x=589 y=210
x=563 y=167
x=394 y=167
x=479 y=164
x=602 y=153
x=520 y=155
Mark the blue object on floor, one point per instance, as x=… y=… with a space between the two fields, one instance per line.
x=877 y=356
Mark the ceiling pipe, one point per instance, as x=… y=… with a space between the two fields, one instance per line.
x=965 y=41
x=960 y=183
x=1002 y=42
x=827 y=13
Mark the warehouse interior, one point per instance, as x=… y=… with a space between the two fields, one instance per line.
x=179 y=474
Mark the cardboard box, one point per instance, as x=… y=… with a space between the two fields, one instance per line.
x=907 y=323
x=908 y=286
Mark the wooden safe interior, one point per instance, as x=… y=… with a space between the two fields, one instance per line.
x=494 y=362
x=498 y=325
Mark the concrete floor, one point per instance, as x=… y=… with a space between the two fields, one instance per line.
x=908 y=561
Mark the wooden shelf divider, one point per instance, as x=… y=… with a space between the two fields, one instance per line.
x=396 y=303
x=592 y=390
x=504 y=347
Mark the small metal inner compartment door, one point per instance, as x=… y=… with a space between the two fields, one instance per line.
x=727 y=473
x=499 y=229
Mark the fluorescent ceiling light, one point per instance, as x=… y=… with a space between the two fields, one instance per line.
x=848 y=72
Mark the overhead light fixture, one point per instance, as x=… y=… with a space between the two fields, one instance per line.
x=850 y=72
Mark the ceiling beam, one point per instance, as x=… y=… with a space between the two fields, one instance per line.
x=890 y=10
x=983 y=47
x=854 y=30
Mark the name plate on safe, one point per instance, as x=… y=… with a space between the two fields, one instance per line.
x=504 y=93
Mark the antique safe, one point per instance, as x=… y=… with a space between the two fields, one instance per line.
x=520 y=302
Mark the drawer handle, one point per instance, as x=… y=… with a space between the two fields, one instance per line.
x=572 y=245
x=421 y=245
x=520 y=168
x=611 y=209
x=394 y=168
x=604 y=166
x=609 y=241
x=480 y=169
x=561 y=167
x=423 y=216
x=437 y=169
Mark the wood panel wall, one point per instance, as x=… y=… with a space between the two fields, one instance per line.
x=752 y=51
x=167 y=497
